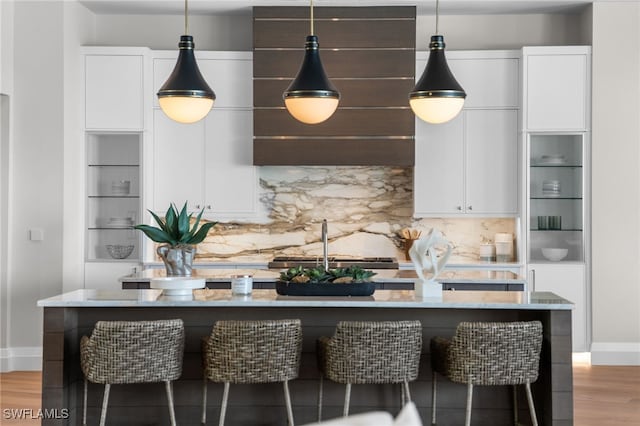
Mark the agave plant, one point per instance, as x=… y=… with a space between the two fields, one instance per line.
x=175 y=229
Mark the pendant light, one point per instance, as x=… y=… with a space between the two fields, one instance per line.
x=311 y=98
x=437 y=97
x=186 y=97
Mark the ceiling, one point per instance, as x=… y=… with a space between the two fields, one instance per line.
x=449 y=7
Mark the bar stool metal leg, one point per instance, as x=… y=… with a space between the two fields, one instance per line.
x=84 y=404
x=347 y=398
x=287 y=397
x=172 y=414
x=223 y=408
x=406 y=392
x=433 y=399
x=105 y=402
x=320 y=389
x=515 y=404
x=203 y=420
x=467 y=420
x=534 y=420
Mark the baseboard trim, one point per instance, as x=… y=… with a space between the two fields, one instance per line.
x=28 y=358
x=615 y=353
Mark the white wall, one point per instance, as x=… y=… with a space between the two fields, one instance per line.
x=463 y=32
x=616 y=183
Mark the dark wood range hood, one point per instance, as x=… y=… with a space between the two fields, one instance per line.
x=369 y=55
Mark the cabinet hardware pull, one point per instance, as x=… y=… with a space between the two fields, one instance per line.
x=533 y=280
x=198 y=206
x=209 y=206
x=470 y=207
x=459 y=208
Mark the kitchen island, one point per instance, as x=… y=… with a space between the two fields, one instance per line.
x=71 y=315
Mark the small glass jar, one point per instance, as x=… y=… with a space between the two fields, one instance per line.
x=241 y=284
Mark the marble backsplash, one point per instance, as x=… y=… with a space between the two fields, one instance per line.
x=365 y=207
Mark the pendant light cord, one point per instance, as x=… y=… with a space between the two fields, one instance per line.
x=186 y=19
x=311 y=17
x=437 y=15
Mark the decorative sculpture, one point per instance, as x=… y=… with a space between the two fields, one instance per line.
x=429 y=255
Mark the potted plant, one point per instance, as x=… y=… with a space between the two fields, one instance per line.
x=178 y=238
x=350 y=281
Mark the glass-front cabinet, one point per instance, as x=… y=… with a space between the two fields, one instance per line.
x=556 y=200
x=113 y=196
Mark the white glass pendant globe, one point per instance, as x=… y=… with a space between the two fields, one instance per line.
x=311 y=110
x=185 y=109
x=436 y=110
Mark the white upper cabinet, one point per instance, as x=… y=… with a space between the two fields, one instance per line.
x=492 y=161
x=557 y=88
x=470 y=164
x=178 y=163
x=114 y=88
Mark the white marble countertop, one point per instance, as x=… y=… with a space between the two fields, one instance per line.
x=382 y=275
x=269 y=298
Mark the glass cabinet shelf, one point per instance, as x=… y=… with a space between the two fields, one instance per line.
x=113 y=197
x=555 y=196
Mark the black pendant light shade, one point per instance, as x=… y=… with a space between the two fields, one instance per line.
x=185 y=96
x=437 y=97
x=311 y=98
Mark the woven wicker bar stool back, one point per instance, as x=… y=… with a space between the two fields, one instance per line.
x=265 y=351
x=487 y=354
x=370 y=352
x=132 y=352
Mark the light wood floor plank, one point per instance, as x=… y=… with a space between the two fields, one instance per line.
x=603 y=395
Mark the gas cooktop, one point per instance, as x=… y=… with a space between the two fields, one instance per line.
x=284 y=262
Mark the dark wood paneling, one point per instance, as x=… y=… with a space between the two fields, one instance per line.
x=340 y=152
x=344 y=122
x=368 y=53
x=336 y=34
x=337 y=64
x=353 y=93
x=384 y=12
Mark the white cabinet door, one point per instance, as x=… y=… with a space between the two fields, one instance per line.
x=178 y=163
x=556 y=88
x=439 y=169
x=105 y=275
x=114 y=92
x=230 y=177
x=567 y=281
x=491 y=141
x=489 y=82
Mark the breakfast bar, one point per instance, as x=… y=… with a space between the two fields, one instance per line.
x=70 y=316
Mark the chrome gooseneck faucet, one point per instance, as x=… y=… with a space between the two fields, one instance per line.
x=325 y=245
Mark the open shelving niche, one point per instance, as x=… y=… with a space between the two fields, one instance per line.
x=113 y=205
x=563 y=162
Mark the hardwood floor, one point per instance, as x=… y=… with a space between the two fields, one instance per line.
x=603 y=395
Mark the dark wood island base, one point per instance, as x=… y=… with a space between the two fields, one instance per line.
x=68 y=317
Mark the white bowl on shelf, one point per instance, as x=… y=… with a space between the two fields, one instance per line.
x=555 y=254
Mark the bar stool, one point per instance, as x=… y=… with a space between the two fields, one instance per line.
x=132 y=352
x=489 y=353
x=265 y=351
x=370 y=352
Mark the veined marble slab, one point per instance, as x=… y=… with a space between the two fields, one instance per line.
x=269 y=298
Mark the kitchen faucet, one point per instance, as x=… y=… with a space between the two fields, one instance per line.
x=325 y=245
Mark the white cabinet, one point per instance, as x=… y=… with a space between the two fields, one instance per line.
x=178 y=163
x=114 y=88
x=209 y=164
x=557 y=88
x=113 y=197
x=567 y=281
x=468 y=165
